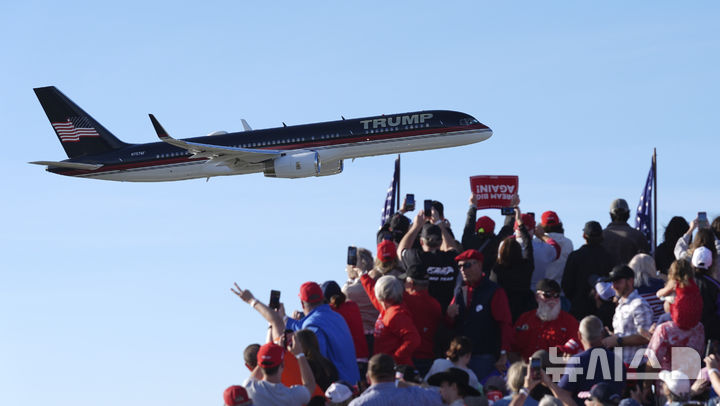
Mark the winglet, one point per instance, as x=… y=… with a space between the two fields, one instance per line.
x=162 y=134
x=246 y=126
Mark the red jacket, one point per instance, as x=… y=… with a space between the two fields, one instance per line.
x=426 y=314
x=395 y=332
x=532 y=334
x=351 y=313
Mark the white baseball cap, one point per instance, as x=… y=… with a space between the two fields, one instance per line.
x=338 y=392
x=605 y=290
x=676 y=381
x=702 y=258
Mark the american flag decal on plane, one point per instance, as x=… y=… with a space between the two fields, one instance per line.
x=74 y=128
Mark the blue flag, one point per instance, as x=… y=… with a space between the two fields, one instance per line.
x=644 y=218
x=389 y=208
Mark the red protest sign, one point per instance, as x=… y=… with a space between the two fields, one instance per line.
x=493 y=192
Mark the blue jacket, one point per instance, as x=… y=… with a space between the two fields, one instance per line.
x=334 y=337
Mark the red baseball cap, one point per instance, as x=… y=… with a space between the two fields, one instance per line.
x=270 y=355
x=470 y=254
x=549 y=218
x=387 y=250
x=485 y=225
x=236 y=396
x=528 y=220
x=311 y=292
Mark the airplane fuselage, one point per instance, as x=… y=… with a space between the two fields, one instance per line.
x=329 y=142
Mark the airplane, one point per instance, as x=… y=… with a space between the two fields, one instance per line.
x=299 y=151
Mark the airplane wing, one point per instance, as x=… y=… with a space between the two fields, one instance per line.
x=219 y=153
x=70 y=165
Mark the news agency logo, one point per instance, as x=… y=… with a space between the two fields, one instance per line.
x=684 y=359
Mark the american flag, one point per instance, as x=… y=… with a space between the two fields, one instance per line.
x=644 y=218
x=389 y=208
x=74 y=128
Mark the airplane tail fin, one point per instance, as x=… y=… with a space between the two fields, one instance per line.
x=78 y=132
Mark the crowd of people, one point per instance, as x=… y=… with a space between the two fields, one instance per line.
x=513 y=317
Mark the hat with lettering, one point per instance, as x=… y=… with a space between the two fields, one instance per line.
x=311 y=292
x=387 y=250
x=702 y=258
x=620 y=272
x=270 y=355
x=470 y=254
x=456 y=376
x=592 y=229
x=528 y=220
x=549 y=218
x=619 y=206
x=676 y=381
x=236 y=395
x=485 y=225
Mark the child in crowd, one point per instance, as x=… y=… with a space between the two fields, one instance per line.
x=687 y=295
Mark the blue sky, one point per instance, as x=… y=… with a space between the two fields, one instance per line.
x=119 y=292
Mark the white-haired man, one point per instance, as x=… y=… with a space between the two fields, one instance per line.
x=545 y=327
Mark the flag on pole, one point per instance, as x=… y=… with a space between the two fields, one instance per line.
x=644 y=218
x=389 y=208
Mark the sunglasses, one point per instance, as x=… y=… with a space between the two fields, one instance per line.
x=547 y=295
x=467 y=264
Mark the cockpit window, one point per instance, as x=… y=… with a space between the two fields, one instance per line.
x=468 y=121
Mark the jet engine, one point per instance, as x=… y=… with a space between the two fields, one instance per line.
x=301 y=165
x=330 y=168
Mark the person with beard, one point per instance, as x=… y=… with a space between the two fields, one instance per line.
x=437 y=255
x=545 y=327
x=633 y=315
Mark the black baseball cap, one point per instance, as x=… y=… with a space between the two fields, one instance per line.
x=620 y=272
x=548 y=285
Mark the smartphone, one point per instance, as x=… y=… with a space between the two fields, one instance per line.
x=703 y=220
x=274 y=302
x=427 y=209
x=507 y=211
x=409 y=202
x=535 y=365
x=352 y=256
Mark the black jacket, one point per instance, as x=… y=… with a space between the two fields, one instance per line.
x=582 y=269
x=622 y=242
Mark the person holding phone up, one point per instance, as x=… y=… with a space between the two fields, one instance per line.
x=437 y=254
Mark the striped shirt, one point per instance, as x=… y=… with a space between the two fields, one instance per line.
x=648 y=293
